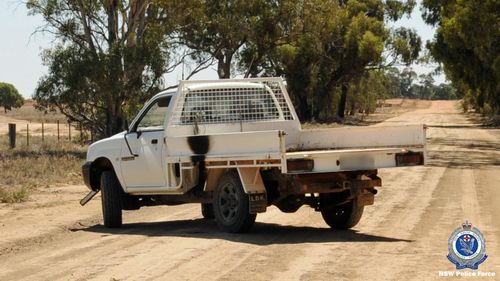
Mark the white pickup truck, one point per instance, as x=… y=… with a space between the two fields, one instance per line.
x=237 y=147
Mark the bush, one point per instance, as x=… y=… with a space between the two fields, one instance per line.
x=17 y=195
x=487 y=110
x=465 y=105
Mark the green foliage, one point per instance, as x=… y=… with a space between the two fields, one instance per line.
x=466 y=43
x=225 y=30
x=10 y=97
x=444 y=92
x=487 y=109
x=331 y=43
x=364 y=93
x=110 y=56
x=421 y=87
x=467 y=102
x=392 y=82
x=319 y=46
x=407 y=78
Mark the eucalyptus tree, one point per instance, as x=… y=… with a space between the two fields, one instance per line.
x=108 y=56
x=333 y=42
x=467 y=44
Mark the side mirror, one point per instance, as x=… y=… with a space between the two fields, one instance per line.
x=128 y=145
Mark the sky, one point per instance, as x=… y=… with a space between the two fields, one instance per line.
x=20 y=48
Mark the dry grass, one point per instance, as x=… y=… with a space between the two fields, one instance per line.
x=13 y=195
x=41 y=164
x=29 y=113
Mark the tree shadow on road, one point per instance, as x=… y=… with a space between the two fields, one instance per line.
x=463 y=153
x=261 y=234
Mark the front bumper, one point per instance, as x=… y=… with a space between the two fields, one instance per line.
x=86 y=168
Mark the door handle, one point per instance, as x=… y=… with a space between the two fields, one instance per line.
x=154 y=141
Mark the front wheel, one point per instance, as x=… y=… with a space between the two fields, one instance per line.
x=111 y=200
x=344 y=216
x=231 y=206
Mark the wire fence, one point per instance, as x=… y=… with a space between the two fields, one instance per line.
x=24 y=133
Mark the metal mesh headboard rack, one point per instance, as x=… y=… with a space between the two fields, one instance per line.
x=230 y=101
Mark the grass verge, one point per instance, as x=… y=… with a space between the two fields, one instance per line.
x=41 y=164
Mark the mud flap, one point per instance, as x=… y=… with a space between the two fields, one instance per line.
x=363 y=190
x=365 y=199
x=257 y=202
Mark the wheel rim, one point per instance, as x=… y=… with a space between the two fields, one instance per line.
x=229 y=202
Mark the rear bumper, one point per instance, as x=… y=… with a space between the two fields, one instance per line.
x=86 y=168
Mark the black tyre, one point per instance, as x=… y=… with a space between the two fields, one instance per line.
x=111 y=200
x=207 y=210
x=230 y=205
x=344 y=216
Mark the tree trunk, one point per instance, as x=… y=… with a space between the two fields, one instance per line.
x=115 y=121
x=342 y=102
x=224 y=66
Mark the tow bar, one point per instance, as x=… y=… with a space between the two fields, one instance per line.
x=88 y=197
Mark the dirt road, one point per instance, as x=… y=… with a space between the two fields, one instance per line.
x=403 y=236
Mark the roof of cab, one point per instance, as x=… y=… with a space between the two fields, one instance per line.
x=165 y=92
x=224 y=85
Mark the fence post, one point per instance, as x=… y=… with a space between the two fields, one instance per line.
x=81 y=133
x=69 y=129
x=12 y=135
x=43 y=132
x=27 y=134
x=57 y=130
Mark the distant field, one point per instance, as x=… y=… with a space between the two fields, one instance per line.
x=29 y=113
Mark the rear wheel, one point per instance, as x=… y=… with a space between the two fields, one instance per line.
x=231 y=206
x=207 y=210
x=111 y=200
x=343 y=216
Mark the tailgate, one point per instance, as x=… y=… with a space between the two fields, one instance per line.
x=360 y=148
x=359 y=137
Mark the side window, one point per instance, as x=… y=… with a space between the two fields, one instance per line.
x=153 y=118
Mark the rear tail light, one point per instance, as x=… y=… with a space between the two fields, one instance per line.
x=409 y=159
x=300 y=165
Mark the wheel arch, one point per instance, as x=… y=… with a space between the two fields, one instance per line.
x=100 y=165
x=250 y=178
x=213 y=176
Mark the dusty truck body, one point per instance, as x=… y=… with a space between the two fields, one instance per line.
x=237 y=147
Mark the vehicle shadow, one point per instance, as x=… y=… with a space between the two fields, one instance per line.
x=261 y=234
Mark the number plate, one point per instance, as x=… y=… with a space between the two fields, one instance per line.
x=257 y=202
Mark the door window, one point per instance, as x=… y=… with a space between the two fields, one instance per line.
x=153 y=119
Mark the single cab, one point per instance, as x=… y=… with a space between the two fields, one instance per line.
x=237 y=147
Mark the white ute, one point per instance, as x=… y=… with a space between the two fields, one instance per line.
x=237 y=147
